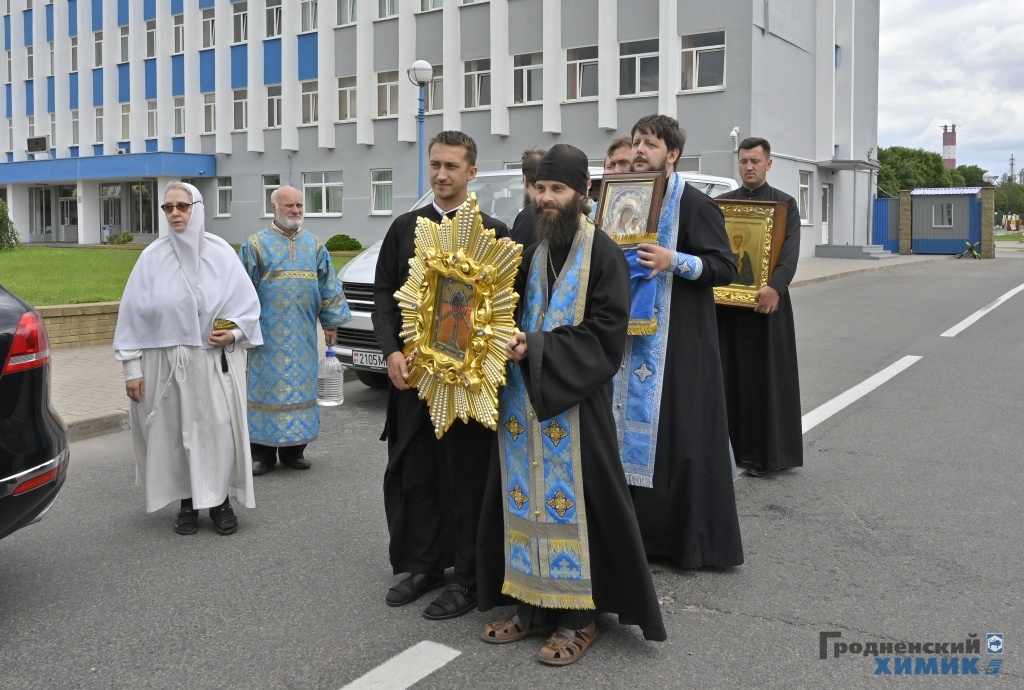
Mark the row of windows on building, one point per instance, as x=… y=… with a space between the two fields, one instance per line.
x=323 y=193
x=703 y=67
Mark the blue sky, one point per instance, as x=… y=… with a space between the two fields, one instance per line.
x=953 y=61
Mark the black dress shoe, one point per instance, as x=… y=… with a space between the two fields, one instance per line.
x=757 y=471
x=297 y=463
x=260 y=467
x=413 y=587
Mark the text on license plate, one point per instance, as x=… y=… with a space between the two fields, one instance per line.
x=372 y=360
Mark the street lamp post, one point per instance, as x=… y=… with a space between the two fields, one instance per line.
x=421 y=73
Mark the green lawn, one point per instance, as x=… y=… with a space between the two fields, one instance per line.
x=44 y=275
x=1009 y=237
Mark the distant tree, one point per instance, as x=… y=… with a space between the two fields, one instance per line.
x=1009 y=198
x=973 y=176
x=8 y=233
x=903 y=168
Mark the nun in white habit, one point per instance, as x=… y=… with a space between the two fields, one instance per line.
x=188 y=312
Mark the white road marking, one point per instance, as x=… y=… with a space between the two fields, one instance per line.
x=955 y=330
x=823 y=412
x=406 y=669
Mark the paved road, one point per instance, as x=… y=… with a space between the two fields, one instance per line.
x=903 y=526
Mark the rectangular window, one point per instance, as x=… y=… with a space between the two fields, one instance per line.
x=528 y=78
x=151 y=120
x=151 y=38
x=179 y=34
x=124 y=44
x=323 y=193
x=431 y=5
x=478 y=83
x=274 y=106
x=805 y=196
x=179 y=116
x=387 y=8
x=434 y=96
x=381 y=186
x=10 y=66
x=52 y=60
x=310 y=102
x=223 y=196
x=638 y=67
x=309 y=12
x=240 y=22
x=29 y=67
x=273 y=18
x=97 y=48
x=31 y=120
x=270 y=183
x=74 y=128
x=703 y=65
x=126 y=122
x=942 y=215
x=346 y=12
x=581 y=73
x=240 y=119
x=10 y=134
x=346 y=98
x=387 y=93
x=209 y=113
x=74 y=53
x=209 y=33
x=53 y=129
x=99 y=125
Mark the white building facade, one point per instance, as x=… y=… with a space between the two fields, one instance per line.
x=240 y=97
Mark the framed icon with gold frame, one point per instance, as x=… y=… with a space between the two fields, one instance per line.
x=458 y=311
x=630 y=204
x=756 y=230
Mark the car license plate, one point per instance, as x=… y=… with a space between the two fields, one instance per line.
x=370 y=360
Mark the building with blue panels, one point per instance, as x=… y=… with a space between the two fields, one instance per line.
x=108 y=100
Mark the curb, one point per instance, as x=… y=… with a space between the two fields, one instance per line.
x=868 y=269
x=98 y=426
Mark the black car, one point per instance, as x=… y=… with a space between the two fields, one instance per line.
x=34 y=449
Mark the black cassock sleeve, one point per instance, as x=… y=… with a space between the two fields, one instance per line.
x=568 y=364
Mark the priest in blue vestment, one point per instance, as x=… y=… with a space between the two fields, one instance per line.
x=297 y=286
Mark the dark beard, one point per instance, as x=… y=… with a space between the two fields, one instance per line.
x=559 y=229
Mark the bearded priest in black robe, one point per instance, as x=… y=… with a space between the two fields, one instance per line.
x=669 y=398
x=558 y=534
x=762 y=383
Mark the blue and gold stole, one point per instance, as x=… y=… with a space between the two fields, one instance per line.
x=547 y=557
x=638 y=385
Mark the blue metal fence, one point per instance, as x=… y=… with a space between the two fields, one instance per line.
x=886 y=224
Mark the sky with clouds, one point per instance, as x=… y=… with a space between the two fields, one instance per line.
x=953 y=61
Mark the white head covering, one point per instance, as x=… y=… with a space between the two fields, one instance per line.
x=180 y=284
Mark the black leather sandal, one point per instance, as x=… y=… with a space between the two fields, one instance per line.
x=453 y=602
x=224 y=518
x=187 y=521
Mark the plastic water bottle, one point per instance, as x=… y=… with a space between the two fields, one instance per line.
x=330 y=381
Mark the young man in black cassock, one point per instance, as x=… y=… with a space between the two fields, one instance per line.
x=432 y=487
x=558 y=534
x=670 y=406
x=762 y=383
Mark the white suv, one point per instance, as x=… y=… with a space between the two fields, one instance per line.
x=500 y=195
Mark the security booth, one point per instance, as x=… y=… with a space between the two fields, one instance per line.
x=946 y=220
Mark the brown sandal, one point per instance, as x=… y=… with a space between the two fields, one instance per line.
x=567 y=646
x=510 y=630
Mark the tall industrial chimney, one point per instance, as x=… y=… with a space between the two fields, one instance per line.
x=949 y=146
